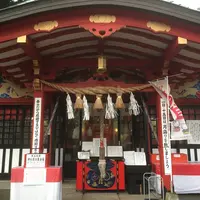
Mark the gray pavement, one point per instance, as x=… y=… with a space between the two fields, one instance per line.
x=70 y=193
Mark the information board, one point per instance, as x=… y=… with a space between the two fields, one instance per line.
x=194 y=129
x=35 y=160
x=115 y=151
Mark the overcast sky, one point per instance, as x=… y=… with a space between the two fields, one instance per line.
x=193 y=4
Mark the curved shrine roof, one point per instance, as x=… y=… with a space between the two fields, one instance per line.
x=72 y=47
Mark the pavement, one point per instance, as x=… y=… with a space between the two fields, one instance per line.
x=70 y=193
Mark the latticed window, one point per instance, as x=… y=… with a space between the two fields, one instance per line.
x=16 y=125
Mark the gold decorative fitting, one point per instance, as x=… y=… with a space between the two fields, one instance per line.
x=104 y=19
x=35 y=63
x=182 y=40
x=46 y=26
x=36 y=70
x=36 y=84
x=21 y=39
x=158 y=27
x=101 y=64
x=166 y=64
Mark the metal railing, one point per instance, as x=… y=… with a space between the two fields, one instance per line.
x=154 y=185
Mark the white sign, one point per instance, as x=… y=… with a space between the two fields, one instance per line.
x=178 y=131
x=96 y=146
x=115 y=151
x=194 y=129
x=166 y=138
x=129 y=158
x=84 y=155
x=140 y=158
x=36 y=125
x=35 y=160
x=87 y=146
x=135 y=158
x=34 y=176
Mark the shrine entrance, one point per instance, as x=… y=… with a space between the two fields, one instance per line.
x=128 y=131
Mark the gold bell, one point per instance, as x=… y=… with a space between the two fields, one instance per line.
x=98 y=103
x=119 y=102
x=79 y=102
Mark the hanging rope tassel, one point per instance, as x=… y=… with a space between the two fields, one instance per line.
x=110 y=110
x=134 y=108
x=70 y=112
x=86 y=116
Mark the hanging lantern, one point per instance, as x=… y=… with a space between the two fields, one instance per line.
x=79 y=102
x=119 y=102
x=98 y=103
x=101 y=64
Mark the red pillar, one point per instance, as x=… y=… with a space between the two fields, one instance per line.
x=166 y=178
x=38 y=122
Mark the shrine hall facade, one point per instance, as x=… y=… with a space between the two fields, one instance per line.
x=60 y=42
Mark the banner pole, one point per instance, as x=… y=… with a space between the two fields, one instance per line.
x=168 y=123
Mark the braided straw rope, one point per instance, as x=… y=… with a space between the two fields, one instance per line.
x=95 y=90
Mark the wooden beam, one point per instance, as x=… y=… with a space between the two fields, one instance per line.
x=55 y=65
x=172 y=51
x=29 y=47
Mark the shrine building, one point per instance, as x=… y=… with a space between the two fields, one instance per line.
x=49 y=45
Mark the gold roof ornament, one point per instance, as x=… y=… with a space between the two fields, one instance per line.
x=158 y=27
x=46 y=26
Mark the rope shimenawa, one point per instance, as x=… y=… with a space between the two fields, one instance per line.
x=95 y=90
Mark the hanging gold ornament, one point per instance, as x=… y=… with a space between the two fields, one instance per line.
x=79 y=102
x=119 y=102
x=98 y=105
x=101 y=64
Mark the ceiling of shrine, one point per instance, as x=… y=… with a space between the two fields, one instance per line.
x=138 y=45
x=75 y=51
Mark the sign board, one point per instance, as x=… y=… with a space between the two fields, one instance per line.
x=194 y=128
x=115 y=151
x=34 y=176
x=35 y=160
x=87 y=146
x=129 y=157
x=84 y=155
x=96 y=145
x=133 y=158
x=140 y=158
x=166 y=138
x=36 y=125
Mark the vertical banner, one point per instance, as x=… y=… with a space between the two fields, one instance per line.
x=36 y=125
x=179 y=129
x=166 y=138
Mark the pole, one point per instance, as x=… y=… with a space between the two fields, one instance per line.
x=166 y=178
x=168 y=123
